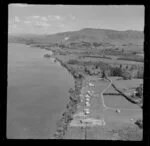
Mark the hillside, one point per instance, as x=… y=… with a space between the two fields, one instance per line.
x=111 y=37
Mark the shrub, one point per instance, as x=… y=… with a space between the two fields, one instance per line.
x=73 y=61
x=140 y=74
x=139 y=123
x=115 y=71
x=126 y=75
x=133 y=58
x=139 y=91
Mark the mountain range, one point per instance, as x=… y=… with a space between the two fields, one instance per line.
x=128 y=37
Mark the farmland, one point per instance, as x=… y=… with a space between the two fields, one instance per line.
x=113 y=67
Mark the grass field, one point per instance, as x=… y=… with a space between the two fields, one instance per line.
x=128 y=83
x=119 y=102
x=111 y=61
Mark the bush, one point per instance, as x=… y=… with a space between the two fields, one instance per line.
x=126 y=75
x=133 y=58
x=140 y=74
x=73 y=61
x=116 y=71
x=139 y=123
x=139 y=91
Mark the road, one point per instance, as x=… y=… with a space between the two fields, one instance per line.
x=107 y=114
x=103 y=102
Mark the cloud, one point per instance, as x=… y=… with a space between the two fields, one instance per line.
x=13 y=26
x=33 y=17
x=48 y=18
x=72 y=17
x=38 y=21
x=27 y=22
x=44 y=18
x=42 y=24
x=59 y=17
x=17 y=19
x=56 y=17
x=61 y=25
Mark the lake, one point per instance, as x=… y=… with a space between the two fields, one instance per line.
x=37 y=93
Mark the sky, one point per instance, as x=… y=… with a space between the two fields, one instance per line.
x=49 y=19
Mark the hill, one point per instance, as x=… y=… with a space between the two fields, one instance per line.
x=112 y=37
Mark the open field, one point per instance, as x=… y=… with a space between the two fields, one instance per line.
x=128 y=83
x=88 y=55
x=114 y=121
x=119 y=102
x=103 y=107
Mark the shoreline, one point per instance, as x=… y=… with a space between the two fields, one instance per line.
x=71 y=107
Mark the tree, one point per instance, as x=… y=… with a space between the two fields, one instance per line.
x=139 y=91
x=127 y=67
x=120 y=66
x=140 y=74
x=126 y=75
x=103 y=74
x=116 y=71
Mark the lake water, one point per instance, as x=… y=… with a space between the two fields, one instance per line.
x=37 y=93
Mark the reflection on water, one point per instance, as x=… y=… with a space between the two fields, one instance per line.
x=37 y=92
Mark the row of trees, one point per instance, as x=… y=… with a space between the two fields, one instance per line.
x=114 y=71
x=96 y=68
x=71 y=108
